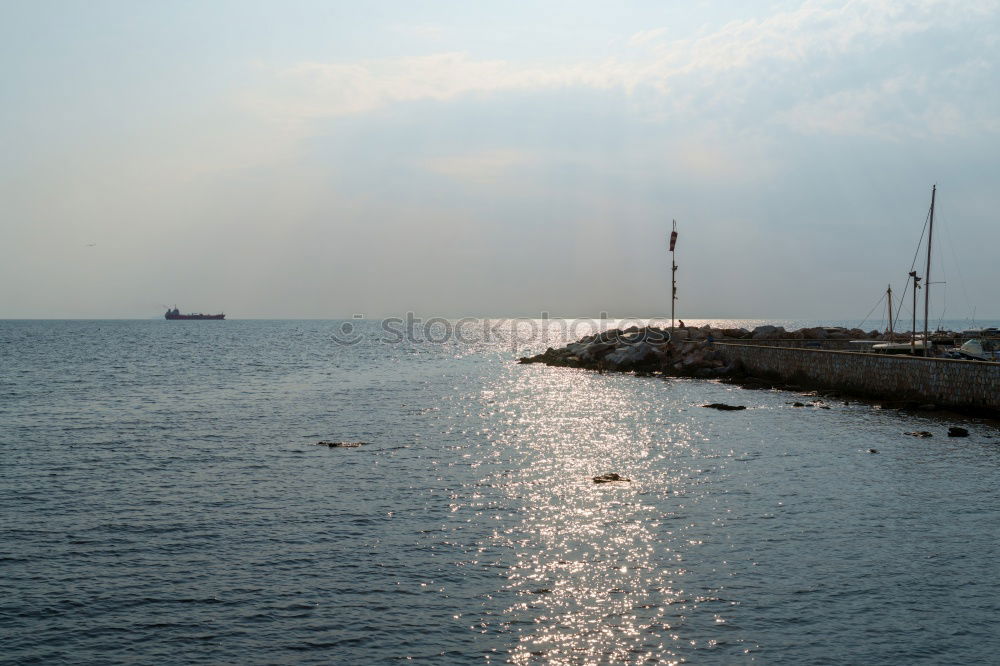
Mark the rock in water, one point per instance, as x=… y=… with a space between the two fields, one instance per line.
x=608 y=478
x=341 y=445
x=724 y=407
x=956 y=431
x=919 y=433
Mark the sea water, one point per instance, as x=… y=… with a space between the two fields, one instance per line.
x=163 y=500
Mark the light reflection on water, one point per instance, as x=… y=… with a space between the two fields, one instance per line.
x=601 y=568
x=738 y=533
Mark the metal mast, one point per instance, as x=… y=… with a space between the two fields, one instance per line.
x=673 y=276
x=913 y=327
x=927 y=273
x=888 y=293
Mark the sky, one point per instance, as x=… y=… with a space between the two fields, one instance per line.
x=303 y=159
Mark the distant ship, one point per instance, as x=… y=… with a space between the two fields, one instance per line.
x=176 y=314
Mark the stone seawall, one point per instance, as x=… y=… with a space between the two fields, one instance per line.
x=945 y=382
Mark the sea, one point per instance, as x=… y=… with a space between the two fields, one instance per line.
x=164 y=499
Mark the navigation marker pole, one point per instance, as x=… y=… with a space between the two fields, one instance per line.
x=673 y=277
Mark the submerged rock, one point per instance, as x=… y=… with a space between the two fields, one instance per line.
x=919 y=433
x=724 y=407
x=608 y=478
x=956 y=431
x=341 y=445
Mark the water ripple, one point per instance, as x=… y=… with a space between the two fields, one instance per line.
x=164 y=502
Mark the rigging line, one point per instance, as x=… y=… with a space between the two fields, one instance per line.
x=942 y=273
x=941 y=267
x=944 y=308
x=958 y=264
x=862 y=324
x=899 y=308
x=923 y=232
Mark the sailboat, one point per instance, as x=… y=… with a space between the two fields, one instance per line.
x=923 y=345
x=977 y=349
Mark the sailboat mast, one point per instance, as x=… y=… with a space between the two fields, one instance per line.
x=927 y=272
x=913 y=326
x=888 y=293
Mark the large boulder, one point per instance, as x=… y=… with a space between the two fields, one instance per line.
x=628 y=357
x=815 y=333
x=655 y=335
x=769 y=333
x=595 y=350
x=692 y=359
x=609 y=335
x=736 y=333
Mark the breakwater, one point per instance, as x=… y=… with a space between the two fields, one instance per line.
x=682 y=352
x=819 y=358
x=943 y=382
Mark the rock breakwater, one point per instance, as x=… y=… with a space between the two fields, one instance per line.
x=688 y=352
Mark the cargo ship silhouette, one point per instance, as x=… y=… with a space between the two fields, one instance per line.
x=176 y=314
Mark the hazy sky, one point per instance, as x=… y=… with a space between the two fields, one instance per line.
x=319 y=159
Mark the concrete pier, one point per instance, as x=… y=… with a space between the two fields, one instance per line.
x=943 y=382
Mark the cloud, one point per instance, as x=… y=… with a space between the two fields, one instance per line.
x=870 y=111
x=644 y=37
x=479 y=167
x=718 y=69
x=330 y=90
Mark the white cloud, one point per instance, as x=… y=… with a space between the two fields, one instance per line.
x=688 y=74
x=644 y=37
x=872 y=111
x=480 y=167
x=318 y=90
x=817 y=28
